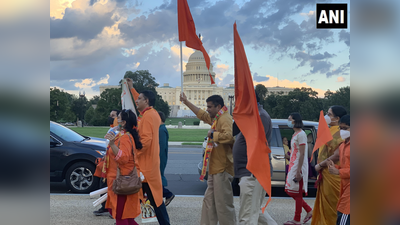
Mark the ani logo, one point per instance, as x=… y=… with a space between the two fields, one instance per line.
x=331 y=16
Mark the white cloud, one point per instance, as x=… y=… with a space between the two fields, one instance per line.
x=341 y=79
x=133 y=66
x=310 y=13
x=272 y=81
x=186 y=52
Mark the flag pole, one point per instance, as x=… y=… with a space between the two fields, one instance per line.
x=181 y=70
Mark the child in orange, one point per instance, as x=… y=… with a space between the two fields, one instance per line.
x=343 y=170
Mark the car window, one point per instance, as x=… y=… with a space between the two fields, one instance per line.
x=65 y=133
x=274 y=139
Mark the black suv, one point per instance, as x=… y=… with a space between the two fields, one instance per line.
x=73 y=157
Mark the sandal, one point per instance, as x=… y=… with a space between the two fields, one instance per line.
x=308 y=218
x=291 y=223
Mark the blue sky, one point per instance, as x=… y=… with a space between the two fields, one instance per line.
x=94 y=42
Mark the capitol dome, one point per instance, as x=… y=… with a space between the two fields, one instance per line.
x=196 y=72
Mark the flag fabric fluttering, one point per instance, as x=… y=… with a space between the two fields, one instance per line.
x=323 y=135
x=126 y=99
x=187 y=32
x=247 y=118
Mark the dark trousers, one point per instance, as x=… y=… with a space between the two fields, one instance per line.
x=103 y=185
x=167 y=193
x=161 y=211
x=342 y=219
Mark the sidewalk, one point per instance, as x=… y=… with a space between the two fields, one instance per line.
x=183 y=210
x=177 y=144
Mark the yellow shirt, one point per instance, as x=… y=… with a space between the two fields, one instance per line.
x=221 y=158
x=286 y=148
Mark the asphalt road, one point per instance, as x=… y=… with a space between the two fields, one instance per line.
x=182 y=174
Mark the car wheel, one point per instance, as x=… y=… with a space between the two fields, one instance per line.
x=80 y=177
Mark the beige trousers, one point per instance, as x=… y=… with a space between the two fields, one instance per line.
x=218 y=201
x=252 y=195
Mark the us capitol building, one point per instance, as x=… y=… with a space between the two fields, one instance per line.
x=197 y=87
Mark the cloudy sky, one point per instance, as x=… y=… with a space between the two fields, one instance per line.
x=94 y=42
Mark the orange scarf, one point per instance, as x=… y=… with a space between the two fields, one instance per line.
x=209 y=147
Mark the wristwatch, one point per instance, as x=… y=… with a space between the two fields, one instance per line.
x=212 y=135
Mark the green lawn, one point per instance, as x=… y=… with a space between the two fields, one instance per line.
x=180 y=135
x=175 y=121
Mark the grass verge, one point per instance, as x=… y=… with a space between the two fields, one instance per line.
x=179 y=135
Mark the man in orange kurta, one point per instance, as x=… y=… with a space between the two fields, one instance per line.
x=148 y=158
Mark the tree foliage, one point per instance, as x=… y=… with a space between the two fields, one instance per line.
x=143 y=80
x=61 y=106
x=302 y=100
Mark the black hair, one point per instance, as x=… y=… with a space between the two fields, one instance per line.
x=150 y=96
x=345 y=119
x=258 y=98
x=130 y=118
x=162 y=116
x=116 y=110
x=338 y=111
x=216 y=100
x=298 y=122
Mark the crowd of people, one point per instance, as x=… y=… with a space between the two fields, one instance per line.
x=143 y=143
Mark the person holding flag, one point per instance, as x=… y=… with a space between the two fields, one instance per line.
x=218 y=199
x=248 y=120
x=252 y=193
x=148 y=158
x=328 y=185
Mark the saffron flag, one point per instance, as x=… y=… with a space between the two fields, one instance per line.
x=323 y=135
x=248 y=120
x=187 y=32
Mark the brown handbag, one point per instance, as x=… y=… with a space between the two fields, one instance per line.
x=127 y=184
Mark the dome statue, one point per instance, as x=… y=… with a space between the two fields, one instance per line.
x=196 y=72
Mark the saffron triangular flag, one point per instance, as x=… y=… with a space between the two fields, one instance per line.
x=187 y=32
x=323 y=135
x=248 y=120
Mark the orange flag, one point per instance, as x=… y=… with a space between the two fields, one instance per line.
x=248 y=119
x=324 y=134
x=187 y=32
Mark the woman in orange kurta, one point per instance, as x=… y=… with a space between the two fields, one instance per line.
x=120 y=153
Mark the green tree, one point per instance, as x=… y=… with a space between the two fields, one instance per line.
x=94 y=100
x=109 y=99
x=89 y=115
x=143 y=80
x=79 y=107
x=340 y=97
x=60 y=106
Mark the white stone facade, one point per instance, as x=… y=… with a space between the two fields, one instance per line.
x=197 y=87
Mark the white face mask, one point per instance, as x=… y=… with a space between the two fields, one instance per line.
x=327 y=119
x=344 y=134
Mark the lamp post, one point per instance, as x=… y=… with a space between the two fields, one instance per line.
x=230 y=97
x=82 y=96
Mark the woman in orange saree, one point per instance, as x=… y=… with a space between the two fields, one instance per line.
x=328 y=185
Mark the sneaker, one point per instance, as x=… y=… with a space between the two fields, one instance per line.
x=101 y=212
x=168 y=200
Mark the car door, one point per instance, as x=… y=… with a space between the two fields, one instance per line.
x=57 y=151
x=278 y=158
